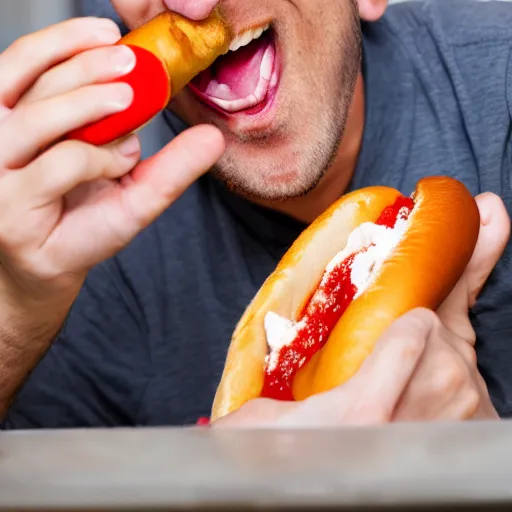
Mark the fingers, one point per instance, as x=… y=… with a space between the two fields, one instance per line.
x=370 y=397
x=31 y=128
x=29 y=57
x=91 y=67
x=70 y=163
x=492 y=240
x=160 y=180
x=192 y=9
x=386 y=373
x=52 y=175
x=258 y=413
x=439 y=384
x=446 y=385
x=110 y=214
x=45 y=240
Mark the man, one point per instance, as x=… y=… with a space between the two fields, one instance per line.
x=159 y=259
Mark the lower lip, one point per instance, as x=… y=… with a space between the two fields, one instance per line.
x=261 y=108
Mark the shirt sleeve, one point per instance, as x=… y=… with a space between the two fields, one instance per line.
x=94 y=373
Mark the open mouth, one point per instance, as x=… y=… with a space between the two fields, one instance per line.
x=245 y=79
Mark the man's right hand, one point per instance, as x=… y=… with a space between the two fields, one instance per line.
x=65 y=205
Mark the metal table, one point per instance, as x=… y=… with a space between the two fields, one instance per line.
x=412 y=466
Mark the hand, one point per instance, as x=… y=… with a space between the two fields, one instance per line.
x=423 y=368
x=66 y=205
x=447 y=385
x=192 y=9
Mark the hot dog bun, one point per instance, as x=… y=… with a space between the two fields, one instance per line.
x=424 y=267
x=170 y=51
x=184 y=47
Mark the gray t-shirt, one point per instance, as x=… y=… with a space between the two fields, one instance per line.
x=145 y=343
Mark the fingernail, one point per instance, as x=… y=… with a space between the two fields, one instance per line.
x=120 y=95
x=129 y=147
x=123 y=59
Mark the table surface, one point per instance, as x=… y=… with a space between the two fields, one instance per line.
x=143 y=469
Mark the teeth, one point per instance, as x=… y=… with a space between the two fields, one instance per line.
x=221 y=94
x=266 y=65
x=221 y=91
x=246 y=37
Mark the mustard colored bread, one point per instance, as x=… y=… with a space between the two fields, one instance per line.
x=184 y=47
x=170 y=51
x=424 y=267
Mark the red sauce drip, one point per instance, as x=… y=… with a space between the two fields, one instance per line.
x=320 y=317
x=150 y=83
x=403 y=205
x=203 y=422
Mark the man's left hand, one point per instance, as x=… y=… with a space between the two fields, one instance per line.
x=447 y=384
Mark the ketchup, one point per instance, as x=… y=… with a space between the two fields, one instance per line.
x=319 y=317
x=401 y=208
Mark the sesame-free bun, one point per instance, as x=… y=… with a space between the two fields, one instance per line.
x=170 y=51
x=422 y=270
x=184 y=47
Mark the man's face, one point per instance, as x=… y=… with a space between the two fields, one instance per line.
x=282 y=100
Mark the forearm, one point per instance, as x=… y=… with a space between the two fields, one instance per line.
x=26 y=334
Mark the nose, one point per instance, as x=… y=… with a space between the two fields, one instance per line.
x=192 y=9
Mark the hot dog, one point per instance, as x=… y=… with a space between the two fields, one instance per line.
x=170 y=51
x=370 y=258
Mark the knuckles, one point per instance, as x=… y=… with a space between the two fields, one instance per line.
x=467 y=351
x=472 y=401
x=451 y=377
x=425 y=319
x=85 y=30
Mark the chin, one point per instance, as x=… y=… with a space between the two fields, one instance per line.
x=275 y=173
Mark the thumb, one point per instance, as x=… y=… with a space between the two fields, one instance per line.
x=369 y=397
x=492 y=240
x=158 y=181
x=372 y=394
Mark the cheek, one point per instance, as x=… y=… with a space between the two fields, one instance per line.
x=136 y=12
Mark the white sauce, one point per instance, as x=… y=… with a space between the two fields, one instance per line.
x=380 y=241
x=280 y=333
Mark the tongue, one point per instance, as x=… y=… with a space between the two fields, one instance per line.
x=236 y=75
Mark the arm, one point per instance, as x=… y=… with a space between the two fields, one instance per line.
x=94 y=374
x=66 y=206
x=24 y=339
